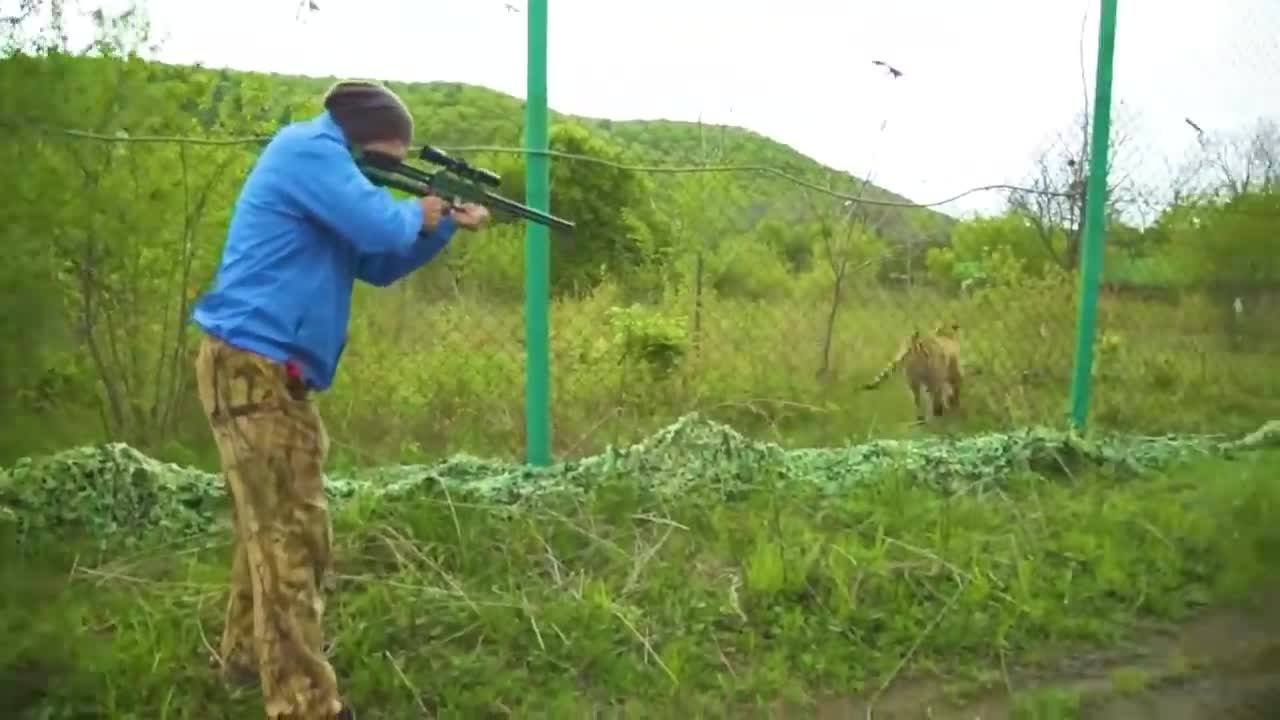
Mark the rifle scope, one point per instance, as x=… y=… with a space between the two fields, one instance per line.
x=459 y=167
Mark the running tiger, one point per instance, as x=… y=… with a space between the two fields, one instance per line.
x=932 y=363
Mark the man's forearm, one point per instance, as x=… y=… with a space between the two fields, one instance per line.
x=385 y=268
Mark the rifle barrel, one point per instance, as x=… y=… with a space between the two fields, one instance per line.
x=497 y=202
x=414 y=186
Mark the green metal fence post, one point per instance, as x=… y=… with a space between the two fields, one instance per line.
x=1095 y=216
x=537 y=251
x=538 y=374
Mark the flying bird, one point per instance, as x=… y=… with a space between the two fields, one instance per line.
x=895 y=72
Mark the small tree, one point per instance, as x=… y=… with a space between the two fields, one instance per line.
x=848 y=242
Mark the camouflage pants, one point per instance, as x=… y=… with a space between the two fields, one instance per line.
x=272 y=444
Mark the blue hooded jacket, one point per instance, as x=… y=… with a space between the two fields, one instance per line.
x=306 y=226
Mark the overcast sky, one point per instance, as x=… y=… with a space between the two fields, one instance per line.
x=986 y=82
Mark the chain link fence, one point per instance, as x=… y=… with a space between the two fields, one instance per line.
x=714 y=270
x=1186 y=339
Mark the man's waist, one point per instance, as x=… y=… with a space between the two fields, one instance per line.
x=292 y=362
x=294 y=370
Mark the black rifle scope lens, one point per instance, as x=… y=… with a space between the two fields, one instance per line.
x=437 y=157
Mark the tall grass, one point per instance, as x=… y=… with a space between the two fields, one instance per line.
x=426 y=379
x=428 y=373
x=442 y=606
x=625 y=599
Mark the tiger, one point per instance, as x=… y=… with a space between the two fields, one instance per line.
x=932 y=363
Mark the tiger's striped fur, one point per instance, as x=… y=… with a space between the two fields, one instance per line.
x=930 y=363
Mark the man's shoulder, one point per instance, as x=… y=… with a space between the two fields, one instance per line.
x=310 y=135
x=291 y=153
x=297 y=152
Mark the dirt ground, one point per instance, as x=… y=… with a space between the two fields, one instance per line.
x=1222 y=665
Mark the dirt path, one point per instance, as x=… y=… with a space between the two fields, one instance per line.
x=1223 y=665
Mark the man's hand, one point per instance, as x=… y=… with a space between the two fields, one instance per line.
x=470 y=216
x=432 y=210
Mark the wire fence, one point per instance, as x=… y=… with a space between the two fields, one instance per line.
x=1186 y=336
x=770 y=323
x=714 y=271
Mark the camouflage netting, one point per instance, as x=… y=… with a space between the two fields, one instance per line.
x=114 y=491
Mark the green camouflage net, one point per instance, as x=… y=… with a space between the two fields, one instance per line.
x=115 y=492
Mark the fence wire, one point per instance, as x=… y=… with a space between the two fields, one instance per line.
x=714 y=270
x=1187 y=338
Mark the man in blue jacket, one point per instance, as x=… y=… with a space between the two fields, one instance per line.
x=306 y=226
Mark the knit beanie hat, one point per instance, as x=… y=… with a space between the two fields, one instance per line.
x=368 y=111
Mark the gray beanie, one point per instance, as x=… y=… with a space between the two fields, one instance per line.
x=368 y=111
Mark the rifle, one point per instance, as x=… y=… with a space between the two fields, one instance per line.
x=456 y=181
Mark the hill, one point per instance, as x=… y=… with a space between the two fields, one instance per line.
x=458 y=115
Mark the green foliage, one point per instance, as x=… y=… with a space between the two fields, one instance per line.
x=122 y=229
x=795 y=247
x=1048 y=704
x=115 y=494
x=1231 y=242
x=976 y=242
x=808 y=573
x=695 y=571
x=617 y=236
x=105 y=492
x=783 y=298
x=648 y=338
x=749 y=269
x=847 y=243
x=103 y=320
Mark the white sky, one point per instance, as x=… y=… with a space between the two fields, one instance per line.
x=987 y=82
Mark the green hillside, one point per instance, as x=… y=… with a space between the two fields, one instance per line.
x=460 y=115
x=456 y=114
x=663 y=209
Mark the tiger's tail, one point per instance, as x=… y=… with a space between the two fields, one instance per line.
x=895 y=363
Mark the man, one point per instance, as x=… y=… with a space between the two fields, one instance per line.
x=306 y=226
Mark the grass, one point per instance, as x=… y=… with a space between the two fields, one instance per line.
x=1129 y=680
x=629 y=602
x=417 y=385
x=1048 y=704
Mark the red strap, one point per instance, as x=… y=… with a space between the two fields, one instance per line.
x=294 y=370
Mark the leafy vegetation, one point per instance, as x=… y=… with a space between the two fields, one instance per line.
x=739 y=576
x=113 y=492
x=701 y=569
x=742 y=296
